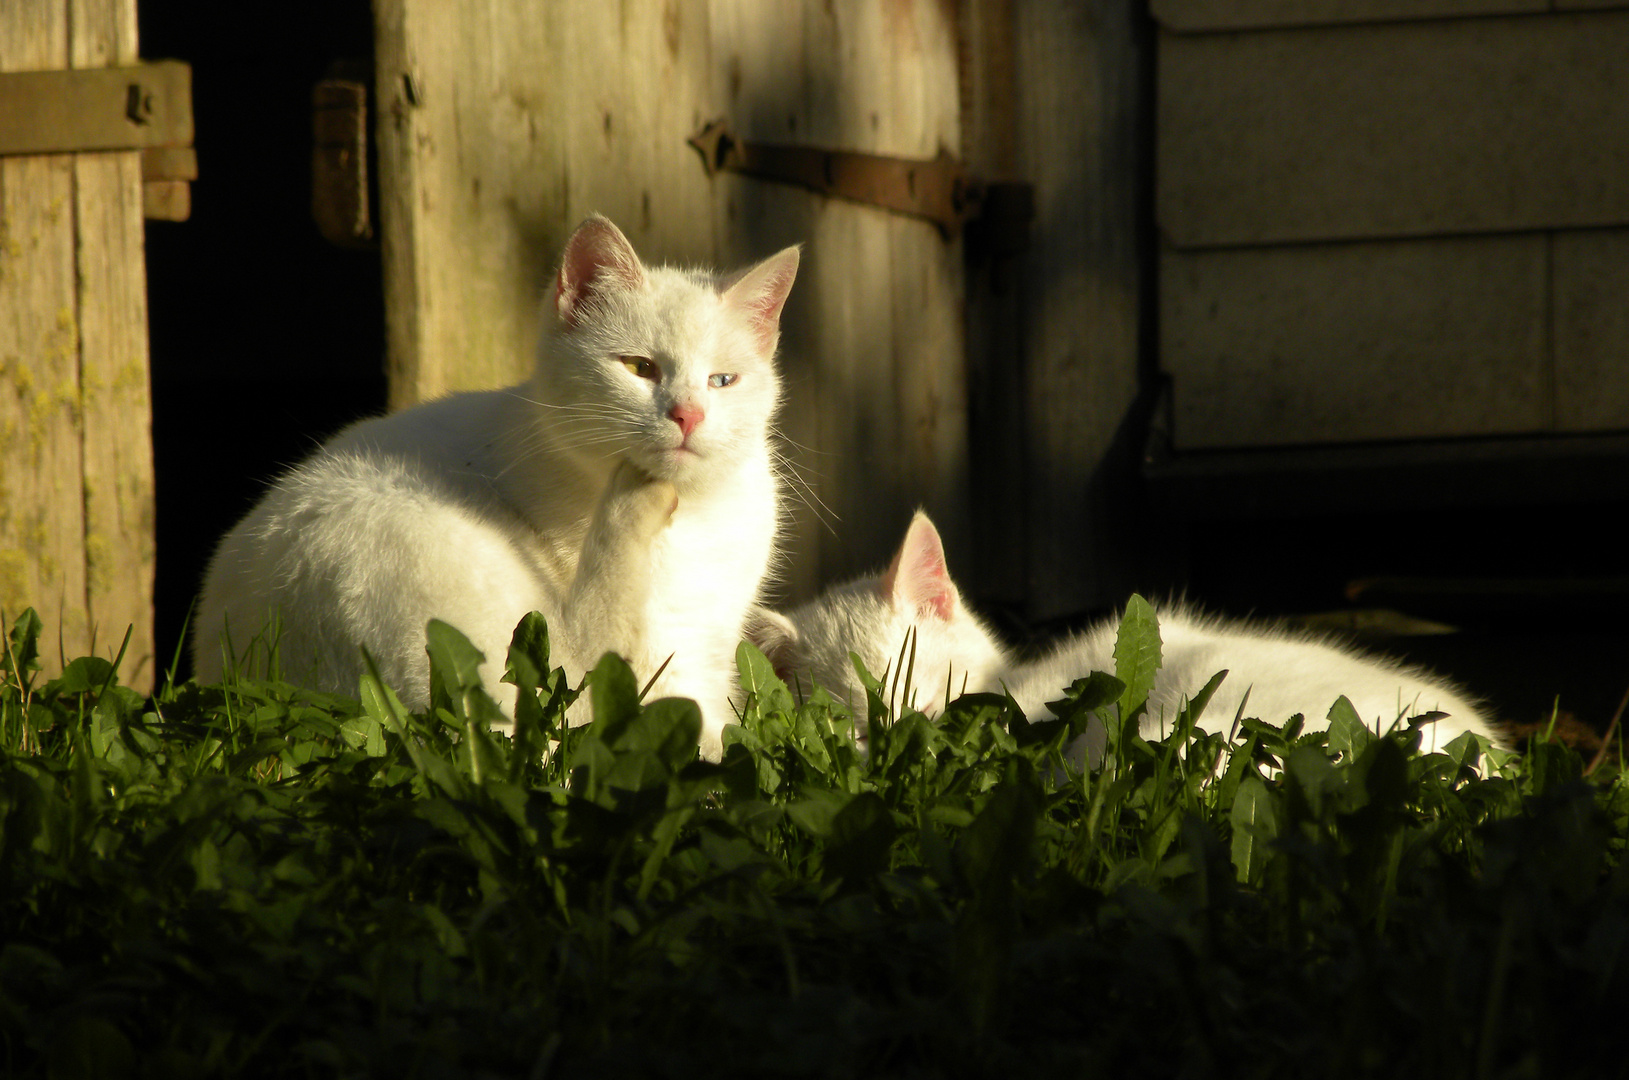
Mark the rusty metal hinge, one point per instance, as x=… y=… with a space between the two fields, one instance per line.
x=937 y=189
x=340 y=201
x=145 y=107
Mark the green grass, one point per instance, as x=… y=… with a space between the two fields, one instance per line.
x=255 y=880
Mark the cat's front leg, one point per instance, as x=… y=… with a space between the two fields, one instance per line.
x=612 y=586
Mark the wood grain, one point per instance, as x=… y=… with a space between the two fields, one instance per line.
x=76 y=519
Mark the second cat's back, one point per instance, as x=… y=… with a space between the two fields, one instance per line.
x=1273 y=672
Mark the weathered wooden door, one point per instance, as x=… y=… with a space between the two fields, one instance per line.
x=503 y=124
x=76 y=475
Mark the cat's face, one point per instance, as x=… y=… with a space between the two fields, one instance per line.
x=877 y=618
x=673 y=369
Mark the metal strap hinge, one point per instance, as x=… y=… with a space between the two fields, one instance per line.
x=340 y=186
x=145 y=107
x=937 y=189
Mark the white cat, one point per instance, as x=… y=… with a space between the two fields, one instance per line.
x=1284 y=672
x=626 y=492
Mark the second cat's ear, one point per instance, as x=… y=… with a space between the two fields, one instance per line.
x=918 y=578
x=597 y=257
x=760 y=292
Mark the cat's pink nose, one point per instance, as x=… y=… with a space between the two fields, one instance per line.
x=687 y=417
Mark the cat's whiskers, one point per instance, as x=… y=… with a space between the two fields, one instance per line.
x=794 y=444
x=586 y=425
x=804 y=491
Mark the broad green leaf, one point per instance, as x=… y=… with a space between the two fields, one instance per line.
x=454 y=667
x=758 y=680
x=1255 y=825
x=1195 y=707
x=1347 y=734
x=528 y=657
x=86 y=675
x=1136 y=656
x=615 y=693
x=815 y=812
x=22 y=658
x=670 y=727
x=1318 y=782
x=1084 y=695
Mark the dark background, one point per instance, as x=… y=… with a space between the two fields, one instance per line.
x=266 y=338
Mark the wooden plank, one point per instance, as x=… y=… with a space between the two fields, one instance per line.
x=499 y=131
x=1591 y=283
x=761 y=91
x=64 y=111
x=115 y=395
x=1352 y=342
x=997 y=573
x=871 y=349
x=1199 y=15
x=76 y=528
x=41 y=517
x=118 y=452
x=1081 y=112
x=1457 y=126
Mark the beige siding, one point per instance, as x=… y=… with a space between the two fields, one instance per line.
x=1592 y=330
x=1472 y=170
x=1352 y=342
x=1458 y=126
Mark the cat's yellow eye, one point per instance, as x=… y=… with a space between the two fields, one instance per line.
x=642 y=366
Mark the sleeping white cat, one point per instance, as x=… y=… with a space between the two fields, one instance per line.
x=626 y=491
x=1284 y=672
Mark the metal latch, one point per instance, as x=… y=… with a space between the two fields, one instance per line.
x=937 y=189
x=145 y=107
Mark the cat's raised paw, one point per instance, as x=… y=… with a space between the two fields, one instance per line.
x=638 y=502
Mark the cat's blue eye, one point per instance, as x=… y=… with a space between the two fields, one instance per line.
x=642 y=366
x=718 y=382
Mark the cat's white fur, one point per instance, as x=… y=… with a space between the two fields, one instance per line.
x=634 y=505
x=1284 y=672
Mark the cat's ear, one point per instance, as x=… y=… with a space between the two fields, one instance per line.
x=760 y=292
x=918 y=578
x=597 y=257
x=775 y=636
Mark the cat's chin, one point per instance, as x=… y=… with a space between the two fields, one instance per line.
x=680 y=466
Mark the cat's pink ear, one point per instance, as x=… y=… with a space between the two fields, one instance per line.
x=597 y=258
x=918 y=578
x=760 y=292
